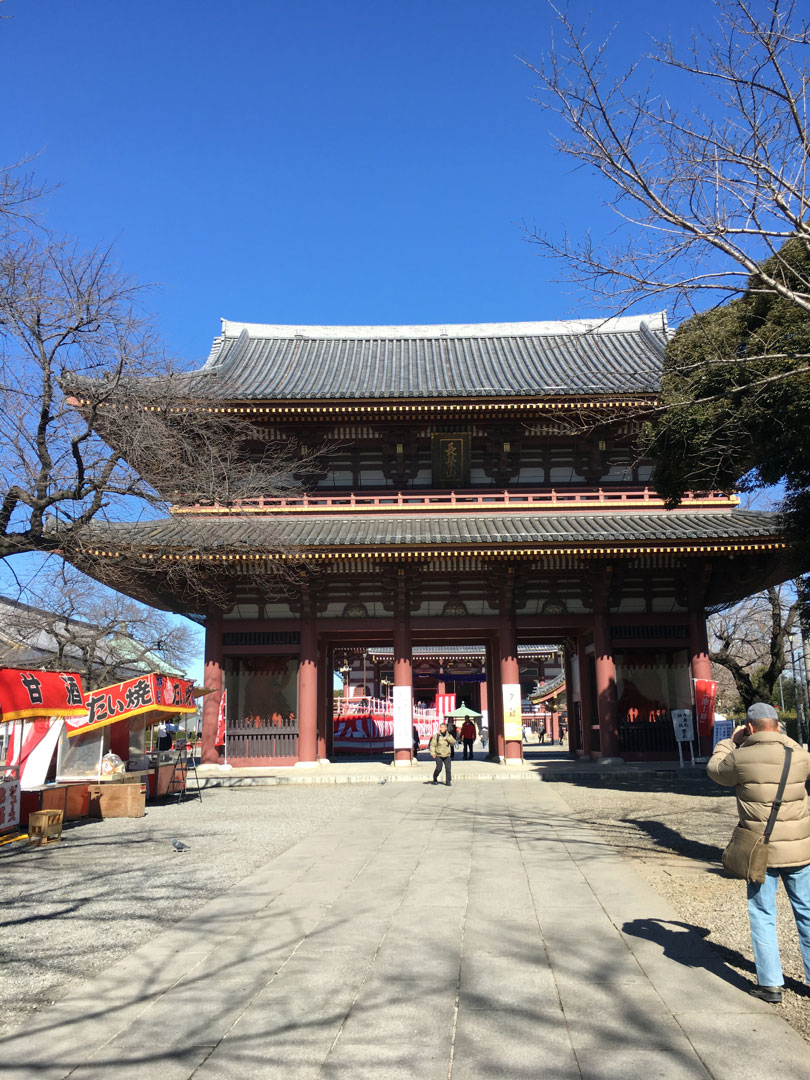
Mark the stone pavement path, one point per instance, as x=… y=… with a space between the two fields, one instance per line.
x=459 y=933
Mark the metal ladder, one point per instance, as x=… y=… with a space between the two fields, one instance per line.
x=175 y=786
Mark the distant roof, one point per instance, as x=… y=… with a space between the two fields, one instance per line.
x=461 y=651
x=257 y=361
x=28 y=637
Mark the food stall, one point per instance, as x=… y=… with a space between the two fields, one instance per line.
x=34 y=705
x=106 y=748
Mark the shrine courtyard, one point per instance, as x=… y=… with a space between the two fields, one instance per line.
x=411 y=931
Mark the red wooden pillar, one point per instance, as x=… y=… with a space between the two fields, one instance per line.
x=483 y=704
x=606 y=702
x=573 y=730
x=699 y=660
x=308 y=683
x=495 y=702
x=403 y=674
x=585 y=695
x=510 y=678
x=212 y=680
x=699 y=663
x=325 y=702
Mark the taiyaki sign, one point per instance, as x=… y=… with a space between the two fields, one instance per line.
x=158 y=696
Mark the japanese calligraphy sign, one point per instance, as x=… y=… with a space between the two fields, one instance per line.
x=512 y=713
x=26 y=693
x=683 y=724
x=157 y=695
x=9 y=804
x=451 y=460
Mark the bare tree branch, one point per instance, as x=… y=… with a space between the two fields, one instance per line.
x=703 y=195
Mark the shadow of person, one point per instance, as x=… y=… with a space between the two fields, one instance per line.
x=687 y=944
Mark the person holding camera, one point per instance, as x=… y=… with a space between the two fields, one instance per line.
x=441 y=750
x=754 y=761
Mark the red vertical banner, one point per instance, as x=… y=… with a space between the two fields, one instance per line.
x=221 y=719
x=705 y=697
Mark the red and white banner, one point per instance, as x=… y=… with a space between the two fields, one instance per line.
x=158 y=695
x=364 y=734
x=445 y=704
x=25 y=693
x=222 y=720
x=425 y=729
x=705 y=697
x=31 y=747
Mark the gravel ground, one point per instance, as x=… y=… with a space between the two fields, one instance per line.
x=75 y=907
x=675 y=831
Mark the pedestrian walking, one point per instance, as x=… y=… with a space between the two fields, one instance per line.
x=441 y=750
x=415 y=737
x=468 y=733
x=484 y=738
x=770 y=771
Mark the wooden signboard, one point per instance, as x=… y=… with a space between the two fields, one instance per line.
x=451 y=460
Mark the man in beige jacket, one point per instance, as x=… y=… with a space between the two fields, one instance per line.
x=752 y=761
x=441 y=750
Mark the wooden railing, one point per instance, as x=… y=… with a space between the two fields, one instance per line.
x=316 y=503
x=370 y=706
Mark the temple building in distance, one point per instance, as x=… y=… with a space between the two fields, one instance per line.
x=467 y=487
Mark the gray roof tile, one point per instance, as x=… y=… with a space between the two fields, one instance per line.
x=267 y=533
x=284 y=363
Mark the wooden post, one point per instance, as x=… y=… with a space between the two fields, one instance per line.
x=325 y=702
x=606 y=701
x=510 y=677
x=700 y=665
x=212 y=680
x=573 y=730
x=495 y=701
x=483 y=705
x=403 y=674
x=308 y=683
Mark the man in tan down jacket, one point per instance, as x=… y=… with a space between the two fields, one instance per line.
x=752 y=761
x=441 y=750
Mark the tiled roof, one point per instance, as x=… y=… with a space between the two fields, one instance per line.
x=251 y=361
x=232 y=532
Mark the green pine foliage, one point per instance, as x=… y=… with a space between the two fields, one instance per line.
x=735 y=408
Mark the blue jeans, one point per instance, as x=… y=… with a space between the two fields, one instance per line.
x=762 y=916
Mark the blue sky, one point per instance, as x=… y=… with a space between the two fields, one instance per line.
x=305 y=161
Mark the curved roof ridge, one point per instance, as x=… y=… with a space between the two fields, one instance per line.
x=654 y=322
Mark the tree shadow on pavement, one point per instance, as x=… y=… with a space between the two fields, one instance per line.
x=665 y=837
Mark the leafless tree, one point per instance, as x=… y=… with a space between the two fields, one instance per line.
x=749 y=640
x=705 y=192
x=64 y=621
x=83 y=437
